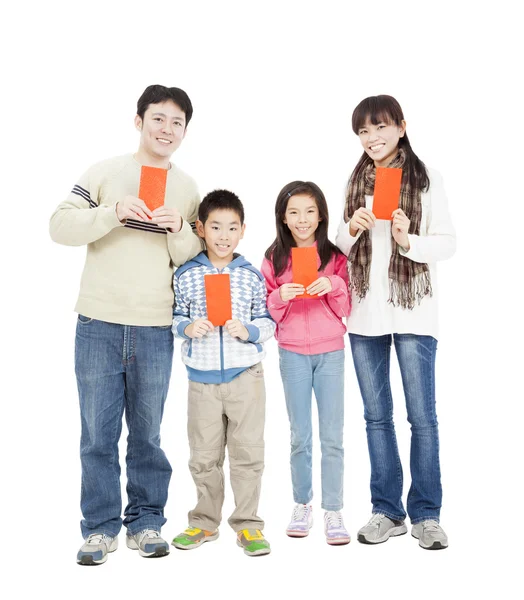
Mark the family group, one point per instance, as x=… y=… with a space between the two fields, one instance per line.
x=144 y=284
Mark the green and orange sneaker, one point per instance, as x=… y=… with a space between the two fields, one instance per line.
x=193 y=538
x=253 y=542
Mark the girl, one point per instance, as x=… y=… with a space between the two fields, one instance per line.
x=310 y=336
x=393 y=279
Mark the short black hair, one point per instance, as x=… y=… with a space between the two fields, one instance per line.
x=154 y=94
x=220 y=200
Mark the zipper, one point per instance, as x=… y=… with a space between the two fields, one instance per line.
x=221 y=354
x=308 y=340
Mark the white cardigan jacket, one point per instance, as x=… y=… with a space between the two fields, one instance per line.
x=373 y=315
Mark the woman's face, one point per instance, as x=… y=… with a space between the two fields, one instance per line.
x=380 y=142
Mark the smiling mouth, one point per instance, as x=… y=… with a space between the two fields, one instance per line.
x=163 y=141
x=303 y=229
x=376 y=147
x=222 y=246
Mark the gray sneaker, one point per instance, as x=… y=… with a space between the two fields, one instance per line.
x=430 y=535
x=95 y=549
x=379 y=529
x=148 y=543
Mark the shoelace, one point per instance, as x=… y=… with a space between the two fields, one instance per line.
x=334 y=520
x=98 y=538
x=430 y=525
x=300 y=512
x=376 y=519
x=150 y=533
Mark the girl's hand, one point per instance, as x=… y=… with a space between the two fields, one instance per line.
x=362 y=218
x=400 y=228
x=199 y=328
x=288 y=291
x=319 y=287
x=235 y=328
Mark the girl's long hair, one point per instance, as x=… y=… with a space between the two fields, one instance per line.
x=386 y=109
x=279 y=251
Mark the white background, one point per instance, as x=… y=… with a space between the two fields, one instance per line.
x=273 y=87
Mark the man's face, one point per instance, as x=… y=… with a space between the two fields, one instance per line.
x=162 y=129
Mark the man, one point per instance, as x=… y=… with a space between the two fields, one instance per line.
x=124 y=343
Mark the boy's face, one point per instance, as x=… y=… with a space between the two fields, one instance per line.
x=162 y=129
x=222 y=232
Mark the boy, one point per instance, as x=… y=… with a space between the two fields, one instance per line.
x=226 y=380
x=124 y=344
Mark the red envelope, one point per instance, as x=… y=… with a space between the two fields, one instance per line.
x=218 y=298
x=152 y=186
x=387 y=192
x=304 y=267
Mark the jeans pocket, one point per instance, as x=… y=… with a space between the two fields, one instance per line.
x=84 y=320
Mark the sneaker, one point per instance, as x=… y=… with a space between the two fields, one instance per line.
x=148 y=543
x=301 y=521
x=336 y=533
x=95 y=549
x=253 y=542
x=192 y=538
x=430 y=535
x=379 y=529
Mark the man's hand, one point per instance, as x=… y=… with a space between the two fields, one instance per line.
x=168 y=218
x=400 y=228
x=198 y=328
x=235 y=328
x=133 y=208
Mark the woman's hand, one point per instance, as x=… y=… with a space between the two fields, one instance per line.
x=288 y=291
x=362 y=218
x=400 y=228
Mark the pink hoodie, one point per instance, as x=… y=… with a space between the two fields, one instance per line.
x=310 y=325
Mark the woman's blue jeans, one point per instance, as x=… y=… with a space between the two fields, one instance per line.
x=122 y=368
x=324 y=373
x=416 y=357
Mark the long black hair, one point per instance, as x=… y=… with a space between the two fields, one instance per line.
x=386 y=109
x=279 y=251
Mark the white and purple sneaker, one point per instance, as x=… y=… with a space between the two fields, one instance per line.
x=336 y=533
x=301 y=521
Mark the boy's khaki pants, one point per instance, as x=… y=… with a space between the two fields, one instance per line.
x=227 y=413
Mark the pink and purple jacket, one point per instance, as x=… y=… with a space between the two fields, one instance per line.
x=310 y=325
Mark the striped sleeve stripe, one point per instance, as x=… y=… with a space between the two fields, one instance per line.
x=79 y=191
x=193 y=226
x=131 y=223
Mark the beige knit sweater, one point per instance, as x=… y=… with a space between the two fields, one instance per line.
x=128 y=272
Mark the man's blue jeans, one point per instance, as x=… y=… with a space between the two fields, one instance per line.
x=324 y=373
x=122 y=368
x=416 y=357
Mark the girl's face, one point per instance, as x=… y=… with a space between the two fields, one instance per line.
x=380 y=142
x=302 y=218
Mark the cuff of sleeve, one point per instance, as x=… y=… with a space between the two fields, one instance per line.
x=184 y=230
x=111 y=217
x=181 y=327
x=408 y=253
x=254 y=333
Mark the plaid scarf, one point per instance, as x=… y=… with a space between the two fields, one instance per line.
x=409 y=281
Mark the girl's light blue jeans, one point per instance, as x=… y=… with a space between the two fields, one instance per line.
x=323 y=373
x=416 y=357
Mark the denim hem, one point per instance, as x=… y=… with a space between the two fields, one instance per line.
x=377 y=511
x=302 y=502
x=335 y=507
x=101 y=532
x=421 y=519
x=133 y=530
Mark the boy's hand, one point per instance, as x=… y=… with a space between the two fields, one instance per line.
x=133 y=208
x=235 y=328
x=168 y=218
x=319 y=287
x=198 y=328
x=288 y=291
